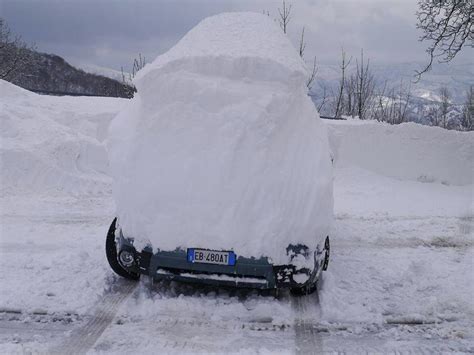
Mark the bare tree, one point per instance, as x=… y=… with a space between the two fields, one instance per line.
x=138 y=64
x=302 y=44
x=444 y=105
x=349 y=107
x=323 y=99
x=284 y=20
x=380 y=106
x=392 y=106
x=467 y=118
x=285 y=16
x=312 y=74
x=14 y=53
x=433 y=116
x=314 y=67
x=448 y=25
x=401 y=108
x=339 y=103
x=365 y=85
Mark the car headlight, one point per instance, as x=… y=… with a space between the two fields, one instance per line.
x=126 y=258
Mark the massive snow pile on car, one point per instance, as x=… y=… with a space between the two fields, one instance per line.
x=222 y=148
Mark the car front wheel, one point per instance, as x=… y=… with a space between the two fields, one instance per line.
x=111 y=252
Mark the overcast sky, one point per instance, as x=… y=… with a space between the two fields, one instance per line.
x=111 y=33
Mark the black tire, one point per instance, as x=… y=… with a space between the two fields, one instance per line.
x=327 y=247
x=111 y=252
x=304 y=290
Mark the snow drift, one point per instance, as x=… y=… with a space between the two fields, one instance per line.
x=408 y=151
x=222 y=148
x=52 y=144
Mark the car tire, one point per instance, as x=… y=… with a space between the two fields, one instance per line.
x=111 y=252
x=304 y=290
x=327 y=247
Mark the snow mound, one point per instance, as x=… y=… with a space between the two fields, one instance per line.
x=408 y=151
x=218 y=151
x=52 y=144
x=10 y=91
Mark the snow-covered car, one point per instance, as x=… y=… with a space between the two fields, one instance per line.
x=221 y=163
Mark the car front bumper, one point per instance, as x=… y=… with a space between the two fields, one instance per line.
x=246 y=273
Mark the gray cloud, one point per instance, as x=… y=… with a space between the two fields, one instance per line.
x=111 y=33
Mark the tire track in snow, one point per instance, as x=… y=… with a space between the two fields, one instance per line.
x=83 y=338
x=307 y=337
x=175 y=330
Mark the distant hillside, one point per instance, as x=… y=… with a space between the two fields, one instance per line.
x=424 y=94
x=51 y=73
x=456 y=77
x=103 y=71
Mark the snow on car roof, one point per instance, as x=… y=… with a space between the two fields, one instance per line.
x=243 y=37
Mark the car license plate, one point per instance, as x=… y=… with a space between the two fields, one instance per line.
x=205 y=256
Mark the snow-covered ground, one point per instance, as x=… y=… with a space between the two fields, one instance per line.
x=401 y=274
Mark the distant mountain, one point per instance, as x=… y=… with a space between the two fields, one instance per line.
x=103 y=71
x=50 y=73
x=456 y=77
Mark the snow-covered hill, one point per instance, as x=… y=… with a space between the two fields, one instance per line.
x=49 y=73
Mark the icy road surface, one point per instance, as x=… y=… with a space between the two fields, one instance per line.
x=400 y=278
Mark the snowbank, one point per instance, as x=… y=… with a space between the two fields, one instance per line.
x=222 y=148
x=408 y=151
x=53 y=144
